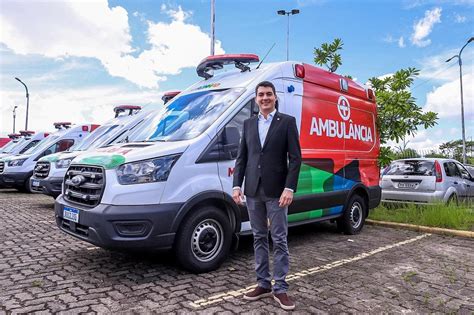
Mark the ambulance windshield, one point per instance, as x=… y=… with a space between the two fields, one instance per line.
x=11 y=145
x=94 y=139
x=46 y=142
x=187 y=116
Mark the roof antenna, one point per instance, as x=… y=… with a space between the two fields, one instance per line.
x=265 y=56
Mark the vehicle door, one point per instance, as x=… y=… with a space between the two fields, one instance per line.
x=454 y=179
x=467 y=181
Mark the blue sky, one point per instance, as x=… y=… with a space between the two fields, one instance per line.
x=81 y=58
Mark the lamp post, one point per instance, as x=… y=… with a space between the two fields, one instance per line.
x=462 y=99
x=213 y=21
x=27 y=102
x=288 y=13
x=14 y=117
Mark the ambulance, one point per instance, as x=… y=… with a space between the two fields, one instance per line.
x=49 y=171
x=22 y=142
x=171 y=188
x=15 y=171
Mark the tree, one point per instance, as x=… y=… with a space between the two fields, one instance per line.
x=398 y=113
x=453 y=149
x=327 y=55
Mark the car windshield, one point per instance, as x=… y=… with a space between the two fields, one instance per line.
x=11 y=145
x=186 y=117
x=94 y=139
x=43 y=144
x=411 y=167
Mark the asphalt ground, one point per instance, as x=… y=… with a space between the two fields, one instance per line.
x=381 y=270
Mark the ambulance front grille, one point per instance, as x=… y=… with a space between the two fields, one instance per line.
x=2 y=166
x=42 y=169
x=84 y=184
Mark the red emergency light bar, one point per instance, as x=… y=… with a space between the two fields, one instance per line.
x=122 y=108
x=169 y=95
x=217 y=62
x=14 y=135
x=27 y=132
x=60 y=124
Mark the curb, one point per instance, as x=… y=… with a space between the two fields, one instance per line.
x=421 y=228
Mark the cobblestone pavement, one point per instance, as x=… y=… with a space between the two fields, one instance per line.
x=380 y=270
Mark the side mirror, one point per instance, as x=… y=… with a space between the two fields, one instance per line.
x=231 y=139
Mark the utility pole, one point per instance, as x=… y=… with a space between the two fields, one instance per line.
x=27 y=102
x=14 y=117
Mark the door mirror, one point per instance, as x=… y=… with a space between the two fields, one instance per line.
x=230 y=141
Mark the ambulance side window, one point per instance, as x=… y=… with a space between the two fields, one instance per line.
x=225 y=145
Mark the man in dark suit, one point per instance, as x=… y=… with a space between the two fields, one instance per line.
x=269 y=159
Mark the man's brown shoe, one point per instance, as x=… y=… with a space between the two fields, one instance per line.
x=284 y=301
x=257 y=294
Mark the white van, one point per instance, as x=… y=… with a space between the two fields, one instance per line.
x=171 y=187
x=49 y=171
x=16 y=171
x=20 y=144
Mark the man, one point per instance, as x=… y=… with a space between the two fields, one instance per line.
x=269 y=159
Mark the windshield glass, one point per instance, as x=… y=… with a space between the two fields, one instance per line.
x=96 y=136
x=411 y=167
x=43 y=144
x=186 y=117
x=11 y=145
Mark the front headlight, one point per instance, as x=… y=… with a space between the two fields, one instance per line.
x=63 y=163
x=16 y=162
x=155 y=170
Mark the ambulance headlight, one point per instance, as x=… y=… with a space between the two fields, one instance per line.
x=18 y=162
x=64 y=163
x=155 y=170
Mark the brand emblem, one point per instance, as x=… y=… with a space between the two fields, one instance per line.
x=77 y=180
x=344 y=107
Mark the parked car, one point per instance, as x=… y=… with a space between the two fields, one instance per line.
x=426 y=181
x=470 y=169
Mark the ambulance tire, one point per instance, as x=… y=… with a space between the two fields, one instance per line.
x=353 y=218
x=204 y=239
x=26 y=186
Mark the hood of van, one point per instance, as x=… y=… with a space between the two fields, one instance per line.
x=51 y=158
x=113 y=156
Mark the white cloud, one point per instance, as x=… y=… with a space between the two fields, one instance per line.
x=423 y=27
x=88 y=105
x=93 y=29
x=401 y=42
x=459 y=18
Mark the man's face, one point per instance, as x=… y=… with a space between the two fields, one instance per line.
x=266 y=99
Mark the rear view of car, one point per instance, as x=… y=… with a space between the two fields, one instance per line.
x=425 y=181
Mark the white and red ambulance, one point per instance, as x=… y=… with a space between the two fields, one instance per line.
x=172 y=186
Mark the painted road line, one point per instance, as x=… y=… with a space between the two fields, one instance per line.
x=304 y=273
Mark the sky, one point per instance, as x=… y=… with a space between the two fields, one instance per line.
x=79 y=59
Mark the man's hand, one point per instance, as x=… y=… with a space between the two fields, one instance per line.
x=286 y=198
x=237 y=196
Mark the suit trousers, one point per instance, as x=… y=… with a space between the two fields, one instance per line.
x=262 y=209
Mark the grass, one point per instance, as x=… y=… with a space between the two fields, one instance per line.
x=443 y=216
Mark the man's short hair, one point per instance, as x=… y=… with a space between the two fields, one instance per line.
x=265 y=84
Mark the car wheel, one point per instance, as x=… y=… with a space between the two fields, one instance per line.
x=203 y=241
x=353 y=218
x=453 y=199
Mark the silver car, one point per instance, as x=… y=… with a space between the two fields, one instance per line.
x=426 y=181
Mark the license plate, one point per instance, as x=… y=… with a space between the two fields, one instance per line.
x=71 y=214
x=35 y=183
x=406 y=185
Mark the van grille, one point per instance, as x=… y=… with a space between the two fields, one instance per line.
x=2 y=166
x=84 y=184
x=42 y=169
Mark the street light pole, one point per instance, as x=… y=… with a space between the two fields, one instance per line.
x=14 y=117
x=288 y=13
x=213 y=21
x=462 y=99
x=27 y=102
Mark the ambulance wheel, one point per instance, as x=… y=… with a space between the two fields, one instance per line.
x=353 y=218
x=204 y=240
x=26 y=186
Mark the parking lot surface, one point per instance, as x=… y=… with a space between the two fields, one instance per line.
x=380 y=270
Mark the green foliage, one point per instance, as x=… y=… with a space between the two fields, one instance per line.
x=440 y=215
x=398 y=113
x=453 y=149
x=434 y=154
x=328 y=55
